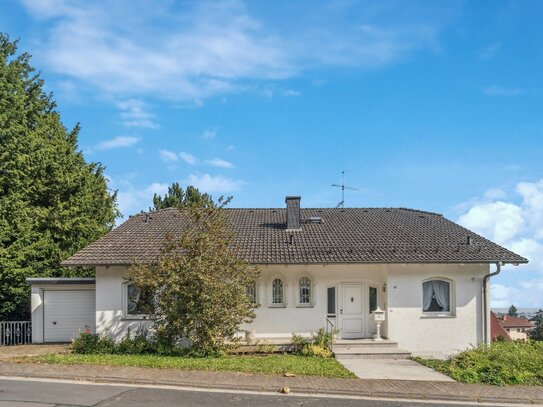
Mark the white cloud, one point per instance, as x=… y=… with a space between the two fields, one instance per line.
x=168 y=156
x=192 y=51
x=209 y=134
x=188 y=158
x=117 y=142
x=290 y=92
x=527 y=293
x=501 y=91
x=217 y=162
x=172 y=157
x=219 y=183
x=518 y=226
x=499 y=221
x=131 y=199
x=495 y=193
x=490 y=51
x=134 y=114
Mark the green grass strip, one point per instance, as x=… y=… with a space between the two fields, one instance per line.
x=267 y=364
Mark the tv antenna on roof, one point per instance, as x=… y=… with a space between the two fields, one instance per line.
x=343 y=188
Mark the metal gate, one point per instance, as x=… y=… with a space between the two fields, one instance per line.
x=15 y=333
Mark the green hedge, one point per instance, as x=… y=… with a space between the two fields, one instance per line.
x=502 y=363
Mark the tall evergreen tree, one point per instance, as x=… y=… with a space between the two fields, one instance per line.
x=176 y=197
x=512 y=312
x=52 y=203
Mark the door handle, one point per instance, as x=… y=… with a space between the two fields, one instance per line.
x=341 y=311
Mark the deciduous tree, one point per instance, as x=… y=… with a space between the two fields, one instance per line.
x=200 y=283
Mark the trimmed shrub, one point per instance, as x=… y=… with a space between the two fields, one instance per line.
x=88 y=343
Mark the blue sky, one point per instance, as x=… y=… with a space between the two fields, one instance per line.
x=430 y=105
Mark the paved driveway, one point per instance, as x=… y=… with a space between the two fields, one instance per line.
x=392 y=369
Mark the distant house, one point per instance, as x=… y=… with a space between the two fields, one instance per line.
x=497 y=331
x=319 y=266
x=510 y=328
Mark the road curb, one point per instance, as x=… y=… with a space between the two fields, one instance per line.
x=294 y=389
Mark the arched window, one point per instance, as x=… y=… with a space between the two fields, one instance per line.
x=305 y=290
x=436 y=296
x=250 y=290
x=277 y=291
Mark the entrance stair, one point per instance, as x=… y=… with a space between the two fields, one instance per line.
x=368 y=349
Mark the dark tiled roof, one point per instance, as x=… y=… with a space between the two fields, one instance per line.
x=353 y=235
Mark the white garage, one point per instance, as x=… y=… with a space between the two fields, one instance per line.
x=62 y=308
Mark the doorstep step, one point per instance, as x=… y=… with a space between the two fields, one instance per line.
x=371 y=353
x=346 y=343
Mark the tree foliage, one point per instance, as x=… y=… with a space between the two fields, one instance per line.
x=176 y=197
x=512 y=312
x=52 y=203
x=537 y=332
x=199 y=282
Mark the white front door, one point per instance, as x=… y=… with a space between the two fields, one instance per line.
x=351 y=311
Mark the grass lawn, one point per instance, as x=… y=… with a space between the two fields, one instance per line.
x=502 y=363
x=267 y=364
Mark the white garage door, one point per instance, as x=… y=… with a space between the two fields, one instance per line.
x=67 y=313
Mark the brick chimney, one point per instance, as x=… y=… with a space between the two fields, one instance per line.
x=293 y=212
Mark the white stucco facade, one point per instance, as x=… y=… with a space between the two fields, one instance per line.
x=398 y=289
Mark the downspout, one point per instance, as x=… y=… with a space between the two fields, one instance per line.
x=486 y=304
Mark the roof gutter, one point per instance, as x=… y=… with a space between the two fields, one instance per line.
x=486 y=303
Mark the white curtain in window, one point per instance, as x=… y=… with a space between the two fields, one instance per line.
x=427 y=293
x=441 y=291
x=438 y=289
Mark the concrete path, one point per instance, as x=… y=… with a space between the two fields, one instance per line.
x=392 y=369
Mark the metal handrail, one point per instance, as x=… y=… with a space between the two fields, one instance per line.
x=15 y=333
x=330 y=329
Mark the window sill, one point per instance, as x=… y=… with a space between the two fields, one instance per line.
x=305 y=306
x=278 y=305
x=437 y=316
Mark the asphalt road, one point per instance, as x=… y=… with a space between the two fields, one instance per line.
x=18 y=393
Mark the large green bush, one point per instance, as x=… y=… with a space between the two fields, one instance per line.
x=501 y=363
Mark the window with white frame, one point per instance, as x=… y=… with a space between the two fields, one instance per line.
x=305 y=290
x=436 y=296
x=277 y=292
x=137 y=302
x=250 y=290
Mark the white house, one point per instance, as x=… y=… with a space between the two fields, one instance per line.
x=319 y=266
